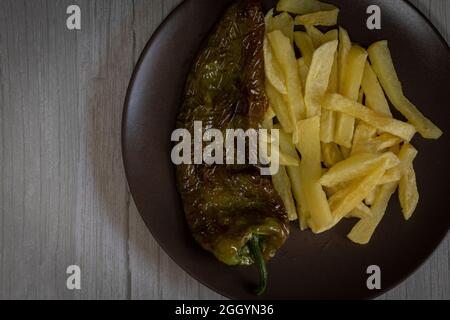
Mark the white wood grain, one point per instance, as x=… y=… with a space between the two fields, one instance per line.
x=64 y=196
x=63 y=193
x=105 y=54
x=36 y=230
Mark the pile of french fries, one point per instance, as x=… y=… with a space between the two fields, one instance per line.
x=343 y=153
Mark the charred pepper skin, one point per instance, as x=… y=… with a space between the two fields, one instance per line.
x=226 y=206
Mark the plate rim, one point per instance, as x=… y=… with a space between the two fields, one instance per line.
x=126 y=107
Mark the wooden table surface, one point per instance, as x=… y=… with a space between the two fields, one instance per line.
x=63 y=193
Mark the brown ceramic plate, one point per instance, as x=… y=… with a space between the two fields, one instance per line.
x=326 y=266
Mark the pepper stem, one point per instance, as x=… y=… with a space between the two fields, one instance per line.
x=255 y=250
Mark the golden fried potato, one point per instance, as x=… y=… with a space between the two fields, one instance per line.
x=356 y=167
x=268 y=118
x=284 y=114
x=408 y=192
x=352 y=196
x=319 y=77
x=315 y=34
x=311 y=171
x=306 y=46
x=372 y=195
x=328 y=118
x=364 y=134
x=272 y=68
x=282 y=185
x=330 y=36
x=304 y=70
x=375 y=98
x=363 y=231
x=360 y=212
x=284 y=52
x=321 y=18
x=303 y=6
x=283 y=22
x=354 y=71
x=383 y=65
x=331 y=154
x=339 y=103
x=345 y=44
x=288 y=148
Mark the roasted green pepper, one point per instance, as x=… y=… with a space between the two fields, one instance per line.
x=232 y=211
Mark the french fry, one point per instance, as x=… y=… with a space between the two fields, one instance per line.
x=311 y=171
x=268 y=118
x=354 y=71
x=282 y=185
x=285 y=160
x=270 y=114
x=353 y=195
x=364 y=133
x=328 y=119
x=360 y=212
x=333 y=85
x=327 y=126
x=304 y=70
x=288 y=161
x=284 y=114
x=356 y=167
x=331 y=154
x=321 y=18
x=283 y=22
x=408 y=192
x=365 y=228
x=372 y=195
x=391 y=176
x=383 y=65
x=331 y=191
x=345 y=45
x=406 y=156
x=331 y=107
x=288 y=148
x=303 y=6
x=336 y=102
x=375 y=98
x=365 y=140
x=346 y=152
x=306 y=46
x=315 y=34
x=318 y=38
x=383 y=142
x=395 y=149
x=317 y=85
x=336 y=194
x=361 y=97
x=272 y=68
x=330 y=36
x=318 y=77
x=284 y=51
